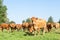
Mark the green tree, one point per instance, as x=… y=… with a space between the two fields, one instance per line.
x=3 y=12
x=28 y=20
x=23 y=21
x=50 y=19
x=11 y=22
x=59 y=21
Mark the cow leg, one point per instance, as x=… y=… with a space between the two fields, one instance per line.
x=34 y=33
x=44 y=30
x=11 y=29
x=47 y=29
x=38 y=31
x=18 y=29
x=8 y=30
x=2 y=29
x=23 y=28
x=35 y=30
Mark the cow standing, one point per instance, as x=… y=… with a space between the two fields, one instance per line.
x=25 y=26
x=49 y=26
x=39 y=24
x=56 y=25
x=18 y=26
x=12 y=26
x=4 y=26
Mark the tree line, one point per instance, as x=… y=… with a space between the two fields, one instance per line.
x=3 y=13
x=4 y=18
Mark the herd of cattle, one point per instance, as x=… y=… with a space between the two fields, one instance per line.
x=33 y=27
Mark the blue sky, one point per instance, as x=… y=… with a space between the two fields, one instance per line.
x=22 y=9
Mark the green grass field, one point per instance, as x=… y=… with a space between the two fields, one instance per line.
x=53 y=35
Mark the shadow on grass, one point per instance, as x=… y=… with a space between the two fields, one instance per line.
x=57 y=32
x=27 y=33
x=31 y=34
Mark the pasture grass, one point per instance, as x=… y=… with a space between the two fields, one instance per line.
x=53 y=35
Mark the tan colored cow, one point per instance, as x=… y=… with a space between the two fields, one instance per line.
x=39 y=24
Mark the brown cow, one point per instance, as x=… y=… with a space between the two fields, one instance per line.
x=56 y=25
x=4 y=26
x=25 y=26
x=30 y=27
x=39 y=24
x=18 y=27
x=12 y=26
x=49 y=26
